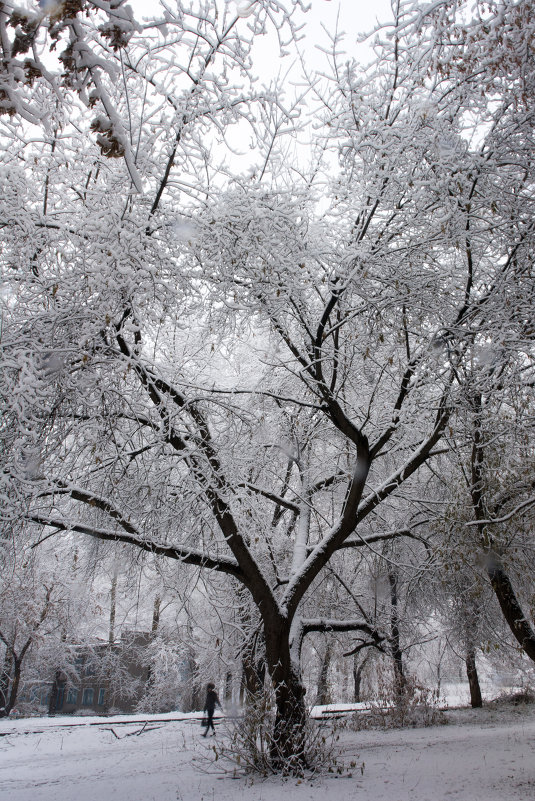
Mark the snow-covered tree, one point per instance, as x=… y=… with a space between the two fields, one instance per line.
x=239 y=359
x=45 y=613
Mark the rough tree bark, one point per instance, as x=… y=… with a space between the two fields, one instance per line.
x=395 y=638
x=288 y=741
x=509 y=604
x=358 y=670
x=476 y=700
x=5 y=679
x=253 y=669
x=499 y=579
x=323 y=694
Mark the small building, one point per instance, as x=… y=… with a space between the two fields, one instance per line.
x=104 y=677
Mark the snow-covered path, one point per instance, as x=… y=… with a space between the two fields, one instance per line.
x=469 y=762
x=472 y=762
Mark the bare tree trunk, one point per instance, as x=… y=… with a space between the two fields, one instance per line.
x=323 y=695
x=113 y=604
x=499 y=580
x=253 y=677
x=476 y=700
x=358 y=670
x=153 y=631
x=54 y=693
x=196 y=700
x=5 y=680
x=156 y=615
x=228 y=688
x=288 y=748
x=395 y=639
x=510 y=606
x=14 y=687
x=253 y=668
x=288 y=744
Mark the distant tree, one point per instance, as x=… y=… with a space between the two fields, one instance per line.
x=43 y=614
x=487 y=57
x=16 y=643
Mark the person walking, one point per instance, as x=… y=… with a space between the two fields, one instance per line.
x=209 y=708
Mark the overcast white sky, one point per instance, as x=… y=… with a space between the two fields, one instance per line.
x=350 y=16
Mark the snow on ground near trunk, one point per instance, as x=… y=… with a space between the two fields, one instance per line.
x=482 y=755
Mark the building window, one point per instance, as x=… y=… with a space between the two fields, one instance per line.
x=39 y=695
x=101 y=696
x=72 y=695
x=87 y=697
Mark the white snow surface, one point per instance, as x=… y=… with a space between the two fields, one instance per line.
x=482 y=755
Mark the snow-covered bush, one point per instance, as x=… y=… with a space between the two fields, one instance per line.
x=252 y=748
x=400 y=706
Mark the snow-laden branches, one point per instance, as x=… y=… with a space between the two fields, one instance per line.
x=186 y=555
x=219 y=354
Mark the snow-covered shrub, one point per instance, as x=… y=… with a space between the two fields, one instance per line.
x=517 y=697
x=396 y=705
x=250 y=746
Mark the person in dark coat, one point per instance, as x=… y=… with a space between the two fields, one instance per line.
x=209 y=707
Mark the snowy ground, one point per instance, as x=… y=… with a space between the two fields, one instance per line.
x=482 y=755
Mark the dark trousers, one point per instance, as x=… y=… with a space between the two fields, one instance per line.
x=209 y=721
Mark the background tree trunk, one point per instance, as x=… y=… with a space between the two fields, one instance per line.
x=473 y=680
x=358 y=670
x=54 y=693
x=228 y=687
x=510 y=606
x=14 y=687
x=113 y=607
x=323 y=695
x=5 y=680
x=395 y=639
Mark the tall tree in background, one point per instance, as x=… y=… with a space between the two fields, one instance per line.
x=242 y=371
x=489 y=62
x=45 y=608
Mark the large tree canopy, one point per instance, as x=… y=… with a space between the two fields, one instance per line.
x=231 y=350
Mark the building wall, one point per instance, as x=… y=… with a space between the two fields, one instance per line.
x=110 y=677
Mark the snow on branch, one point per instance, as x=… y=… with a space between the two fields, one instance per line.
x=525 y=505
x=187 y=555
